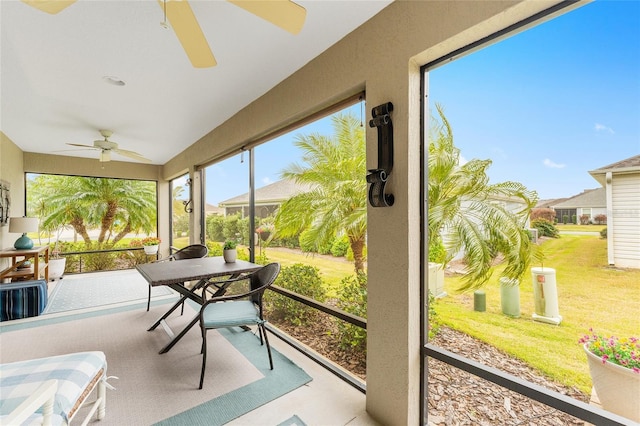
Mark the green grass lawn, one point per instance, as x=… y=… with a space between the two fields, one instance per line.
x=580 y=228
x=332 y=271
x=590 y=295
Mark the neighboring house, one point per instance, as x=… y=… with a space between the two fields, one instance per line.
x=591 y=202
x=267 y=199
x=212 y=210
x=546 y=204
x=621 y=181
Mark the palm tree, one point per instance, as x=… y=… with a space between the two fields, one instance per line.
x=113 y=205
x=466 y=213
x=335 y=170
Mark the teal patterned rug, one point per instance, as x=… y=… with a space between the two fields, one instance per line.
x=102 y=290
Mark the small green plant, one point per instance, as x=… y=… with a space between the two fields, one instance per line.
x=603 y=233
x=565 y=218
x=229 y=245
x=624 y=352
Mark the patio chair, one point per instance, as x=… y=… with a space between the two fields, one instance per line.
x=241 y=310
x=189 y=252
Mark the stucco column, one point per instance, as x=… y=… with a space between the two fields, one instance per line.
x=393 y=311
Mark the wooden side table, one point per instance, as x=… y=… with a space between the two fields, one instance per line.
x=39 y=257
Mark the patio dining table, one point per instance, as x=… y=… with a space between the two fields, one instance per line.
x=177 y=273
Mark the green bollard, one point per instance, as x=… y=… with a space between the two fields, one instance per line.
x=479 y=301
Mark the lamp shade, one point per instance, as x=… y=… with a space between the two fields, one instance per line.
x=22 y=225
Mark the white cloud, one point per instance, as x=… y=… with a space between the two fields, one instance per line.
x=602 y=128
x=266 y=180
x=552 y=165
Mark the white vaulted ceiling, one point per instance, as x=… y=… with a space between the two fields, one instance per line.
x=53 y=89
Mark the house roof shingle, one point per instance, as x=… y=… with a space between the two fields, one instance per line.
x=589 y=198
x=276 y=192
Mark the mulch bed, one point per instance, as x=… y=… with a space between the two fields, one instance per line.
x=455 y=397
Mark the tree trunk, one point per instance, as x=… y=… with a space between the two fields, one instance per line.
x=79 y=228
x=107 y=220
x=123 y=233
x=357 y=247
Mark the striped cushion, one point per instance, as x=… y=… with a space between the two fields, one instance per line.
x=230 y=314
x=75 y=373
x=22 y=299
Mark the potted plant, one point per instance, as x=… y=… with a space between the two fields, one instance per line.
x=614 y=365
x=57 y=263
x=229 y=251
x=150 y=245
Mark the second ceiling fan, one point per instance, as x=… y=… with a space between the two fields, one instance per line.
x=284 y=13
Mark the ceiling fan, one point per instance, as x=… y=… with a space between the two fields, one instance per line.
x=283 y=13
x=106 y=147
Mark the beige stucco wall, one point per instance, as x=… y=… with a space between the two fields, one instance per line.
x=11 y=171
x=382 y=57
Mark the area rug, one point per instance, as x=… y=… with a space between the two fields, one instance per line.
x=293 y=421
x=163 y=389
x=102 y=289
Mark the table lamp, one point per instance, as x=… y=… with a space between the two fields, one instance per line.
x=22 y=225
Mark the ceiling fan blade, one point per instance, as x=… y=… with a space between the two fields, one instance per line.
x=284 y=13
x=83 y=146
x=50 y=6
x=132 y=154
x=189 y=33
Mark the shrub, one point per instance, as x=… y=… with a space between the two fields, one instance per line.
x=603 y=233
x=214 y=227
x=565 y=218
x=585 y=219
x=230 y=228
x=353 y=299
x=600 y=219
x=340 y=246
x=545 y=228
x=574 y=219
x=215 y=249
x=437 y=252
x=301 y=279
x=540 y=213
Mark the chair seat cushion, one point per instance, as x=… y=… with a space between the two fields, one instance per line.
x=230 y=314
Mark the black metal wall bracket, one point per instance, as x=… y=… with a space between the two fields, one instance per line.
x=378 y=177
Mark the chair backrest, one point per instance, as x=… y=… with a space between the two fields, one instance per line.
x=262 y=279
x=191 y=252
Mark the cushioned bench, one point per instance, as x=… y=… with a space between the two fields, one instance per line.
x=22 y=299
x=51 y=390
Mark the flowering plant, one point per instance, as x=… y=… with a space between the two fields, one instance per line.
x=624 y=352
x=150 y=241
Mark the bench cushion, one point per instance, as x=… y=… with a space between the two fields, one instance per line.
x=77 y=374
x=22 y=299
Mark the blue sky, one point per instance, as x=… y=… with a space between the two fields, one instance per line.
x=546 y=105
x=551 y=103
